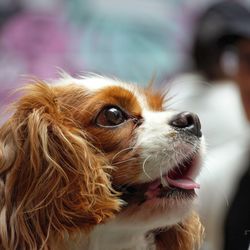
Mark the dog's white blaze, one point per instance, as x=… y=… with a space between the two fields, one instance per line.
x=155 y=139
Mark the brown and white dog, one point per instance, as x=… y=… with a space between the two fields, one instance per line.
x=98 y=164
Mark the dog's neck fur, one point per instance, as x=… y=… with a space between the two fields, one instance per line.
x=107 y=237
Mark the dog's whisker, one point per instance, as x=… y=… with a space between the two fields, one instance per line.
x=144 y=169
x=121 y=151
x=124 y=161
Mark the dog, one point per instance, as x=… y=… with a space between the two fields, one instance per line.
x=98 y=164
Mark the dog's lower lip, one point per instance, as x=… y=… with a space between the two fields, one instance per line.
x=169 y=192
x=178 y=193
x=140 y=194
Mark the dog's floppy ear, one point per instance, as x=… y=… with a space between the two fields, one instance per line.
x=52 y=181
x=184 y=236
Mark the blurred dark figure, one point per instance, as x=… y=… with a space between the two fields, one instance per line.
x=222 y=51
x=237 y=224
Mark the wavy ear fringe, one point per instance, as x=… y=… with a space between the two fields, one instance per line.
x=52 y=181
x=185 y=236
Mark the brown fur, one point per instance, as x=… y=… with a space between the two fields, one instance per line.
x=52 y=180
x=155 y=101
x=184 y=236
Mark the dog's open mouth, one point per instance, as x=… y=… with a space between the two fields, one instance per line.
x=177 y=183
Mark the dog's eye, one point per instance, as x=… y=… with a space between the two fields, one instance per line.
x=111 y=117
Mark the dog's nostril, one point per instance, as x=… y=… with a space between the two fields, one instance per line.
x=188 y=121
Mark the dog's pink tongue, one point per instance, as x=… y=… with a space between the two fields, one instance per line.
x=184 y=183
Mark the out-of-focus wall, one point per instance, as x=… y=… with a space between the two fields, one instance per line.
x=132 y=39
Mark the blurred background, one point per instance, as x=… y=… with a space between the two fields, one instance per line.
x=135 y=40
x=131 y=39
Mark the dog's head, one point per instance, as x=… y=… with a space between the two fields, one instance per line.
x=75 y=152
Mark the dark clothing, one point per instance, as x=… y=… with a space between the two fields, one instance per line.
x=237 y=223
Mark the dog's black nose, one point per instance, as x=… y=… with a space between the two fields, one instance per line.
x=188 y=121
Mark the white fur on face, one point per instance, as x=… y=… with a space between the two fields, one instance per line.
x=162 y=146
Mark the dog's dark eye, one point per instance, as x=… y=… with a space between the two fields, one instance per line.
x=111 y=117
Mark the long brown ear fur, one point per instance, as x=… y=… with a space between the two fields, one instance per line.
x=185 y=236
x=52 y=181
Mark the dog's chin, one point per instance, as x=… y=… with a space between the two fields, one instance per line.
x=164 y=200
